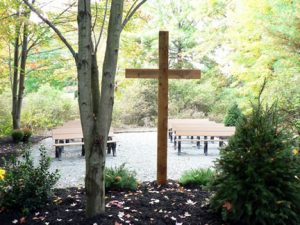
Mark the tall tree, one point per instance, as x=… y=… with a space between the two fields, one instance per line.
x=21 y=37
x=95 y=107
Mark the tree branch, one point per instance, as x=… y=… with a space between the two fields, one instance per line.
x=102 y=27
x=131 y=12
x=54 y=28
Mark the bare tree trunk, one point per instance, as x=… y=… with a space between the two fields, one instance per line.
x=87 y=75
x=95 y=111
x=16 y=122
x=19 y=70
x=22 y=75
x=110 y=65
x=96 y=125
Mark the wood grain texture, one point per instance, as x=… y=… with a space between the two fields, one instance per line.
x=172 y=73
x=162 y=129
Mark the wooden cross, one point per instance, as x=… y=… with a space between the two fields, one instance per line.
x=163 y=73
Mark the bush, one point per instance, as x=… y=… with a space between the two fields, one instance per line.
x=5 y=114
x=257 y=175
x=48 y=108
x=233 y=115
x=25 y=187
x=27 y=134
x=120 y=178
x=197 y=177
x=17 y=135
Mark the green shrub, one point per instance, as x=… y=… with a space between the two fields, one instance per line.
x=27 y=134
x=233 y=115
x=120 y=178
x=48 y=108
x=197 y=177
x=5 y=114
x=257 y=175
x=25 y=187
x=17 y=135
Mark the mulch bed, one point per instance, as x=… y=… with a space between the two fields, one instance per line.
x=9 y=148
x=149 y=204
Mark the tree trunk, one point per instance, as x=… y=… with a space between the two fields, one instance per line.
x=16 y=121
x=96 y=111
x=110 y=65
x=22 y=74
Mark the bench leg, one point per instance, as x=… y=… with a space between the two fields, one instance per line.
x=60 y=150
x=114 y=148
x=56 y=149
x=109 y=148
x=82 y=149
x=56 y=152
x=198 y=142
x=179 y=145
x=221 y=143
x=170 y=135
x=212 y=138
x=175 y=142
x=205 y=145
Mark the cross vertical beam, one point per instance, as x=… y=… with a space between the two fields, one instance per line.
x=163 y=74
x=162 y=127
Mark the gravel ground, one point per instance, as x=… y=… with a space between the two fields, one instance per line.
x=138 y=151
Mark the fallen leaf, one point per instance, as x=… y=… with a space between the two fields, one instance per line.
x=190 y=202
x=228 y=206
x=14 y=221
x=23 y=220
x=173 y=218
x=120 y=215
x=186 y=214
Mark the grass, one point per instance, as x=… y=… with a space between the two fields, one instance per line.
x=120 y=178
x=197 y=177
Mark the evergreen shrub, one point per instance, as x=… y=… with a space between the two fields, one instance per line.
x=233 y=115
x=25 y=187
x=120 y=178
x=17 y=135
x=257 y=174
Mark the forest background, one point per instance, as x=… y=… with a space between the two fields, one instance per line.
x=237 y=44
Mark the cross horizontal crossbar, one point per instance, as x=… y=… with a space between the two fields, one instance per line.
x=172 y=73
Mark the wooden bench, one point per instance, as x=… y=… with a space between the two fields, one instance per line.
x=216 y=131
x=175 y=123
x=222 y=134
x=70 y=134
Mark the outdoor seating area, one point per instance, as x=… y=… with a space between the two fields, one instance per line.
x=184 y=131
x=70 y=134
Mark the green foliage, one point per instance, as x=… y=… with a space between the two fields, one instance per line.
x=17 y=135
x=48 y=108
x=5 y=114
x=27 y=134
x=26 y=187
x=198 y=177
x=233 y=115
x=257 y=179
x=120 y=178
